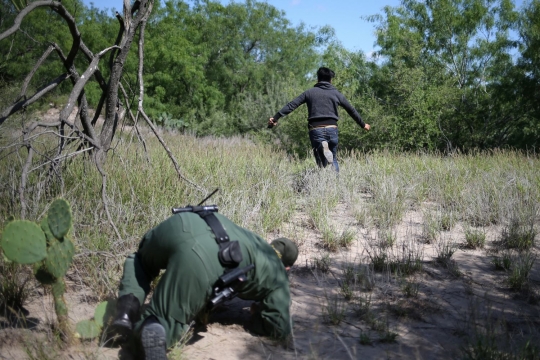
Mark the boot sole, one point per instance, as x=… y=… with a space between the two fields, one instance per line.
x=327 y=153
x=154 y=342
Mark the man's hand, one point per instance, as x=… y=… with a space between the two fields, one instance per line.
x=271 y=123
x=367 y=127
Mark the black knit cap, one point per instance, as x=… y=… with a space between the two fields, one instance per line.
x=287 y=249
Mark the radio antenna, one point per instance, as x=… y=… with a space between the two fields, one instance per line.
x=208 y=197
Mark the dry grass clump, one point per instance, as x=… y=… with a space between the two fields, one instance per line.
x=15 y=288
x=334 y=308
x=475 y=238
x=520 y=270
x=518 y=235
x=445 y=249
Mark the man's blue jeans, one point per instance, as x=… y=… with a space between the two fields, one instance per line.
x=317 y=136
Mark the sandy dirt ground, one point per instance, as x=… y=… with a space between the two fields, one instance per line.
x=451 y=304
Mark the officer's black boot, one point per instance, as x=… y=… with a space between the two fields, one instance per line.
x=127 y=313
x=153 y=339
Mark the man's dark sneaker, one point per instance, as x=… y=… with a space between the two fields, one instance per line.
x=153 y=339
x=327 y=153
x=127 y=313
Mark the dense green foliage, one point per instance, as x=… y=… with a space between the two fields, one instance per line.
x=448 y=74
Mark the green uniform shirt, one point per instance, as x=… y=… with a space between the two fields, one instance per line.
x=185 y=246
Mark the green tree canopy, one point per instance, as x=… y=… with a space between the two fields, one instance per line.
x=444 y=61
x=200 y=59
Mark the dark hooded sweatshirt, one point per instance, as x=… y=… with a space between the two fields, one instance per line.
x=322 y=102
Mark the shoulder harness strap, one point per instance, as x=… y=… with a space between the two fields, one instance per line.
x=230 y=253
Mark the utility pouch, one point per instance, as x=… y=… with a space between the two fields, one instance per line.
x=230 y=254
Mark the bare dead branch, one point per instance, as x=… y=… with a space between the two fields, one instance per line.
x=77 y=90
x=24 y=103
x=135 y=20
x=169 y=153
x=16 y=145
x=61 y=158
x=141 y=111
x=135 y=121
x=78 y=44
x=127 y=11
x=24 y=179
x=89 y=56
x=79 y=86
x=118 y=40
x=109 y=127
x=80 y=135
x=27 y=10
x=59 y=8
x=91 y=141
x=35 y=124
x=68 y=61
x=77 y=93
x=135 y=7
x=104 y=194
x=33 y=71
x=105 y=92
x=83 y=103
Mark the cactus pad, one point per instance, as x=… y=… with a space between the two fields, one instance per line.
x=87 y=329
x=58 y=288
x=105 y=312
x=45 y=228
x=59 y=218
x=59 y=257
x=24 y=242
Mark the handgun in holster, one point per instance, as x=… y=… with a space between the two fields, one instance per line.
x=227 y=284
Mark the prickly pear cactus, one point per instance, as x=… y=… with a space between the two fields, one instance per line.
x=59 y=218
x=24 y=242
x=90 y=329
x=59 y=257
x=50 y=250
x=87 y=329
x=104 y=312
x=46 y=230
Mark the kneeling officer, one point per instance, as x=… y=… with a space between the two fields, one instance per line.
x=197 y=248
